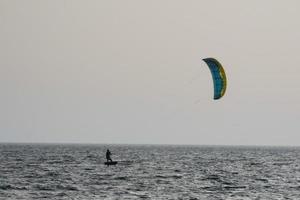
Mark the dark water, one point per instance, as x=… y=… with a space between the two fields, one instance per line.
x=148 y=172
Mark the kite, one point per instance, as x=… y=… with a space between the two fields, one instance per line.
x=218 y=76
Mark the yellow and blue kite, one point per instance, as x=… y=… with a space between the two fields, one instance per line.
x=218 y=76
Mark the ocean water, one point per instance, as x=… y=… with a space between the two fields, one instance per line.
x=30 y=171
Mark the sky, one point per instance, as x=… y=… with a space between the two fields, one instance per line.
x=132 y=72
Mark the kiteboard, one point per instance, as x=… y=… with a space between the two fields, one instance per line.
x=111 y=163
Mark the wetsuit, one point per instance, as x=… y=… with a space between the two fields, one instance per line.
x=108 y=158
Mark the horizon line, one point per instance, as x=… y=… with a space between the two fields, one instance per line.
x=150 y=144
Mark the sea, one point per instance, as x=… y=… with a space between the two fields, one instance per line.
x=77 y=171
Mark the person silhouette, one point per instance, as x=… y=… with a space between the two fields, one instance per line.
x=108 y=158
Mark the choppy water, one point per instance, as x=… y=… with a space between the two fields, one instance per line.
x=148 y=172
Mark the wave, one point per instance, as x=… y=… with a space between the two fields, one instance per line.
x=11 y=187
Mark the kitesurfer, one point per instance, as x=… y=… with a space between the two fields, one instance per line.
x=108 y=158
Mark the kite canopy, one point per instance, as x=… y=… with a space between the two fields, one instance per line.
x=218 y=75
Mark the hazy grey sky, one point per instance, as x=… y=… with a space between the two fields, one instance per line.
x=131 y=71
